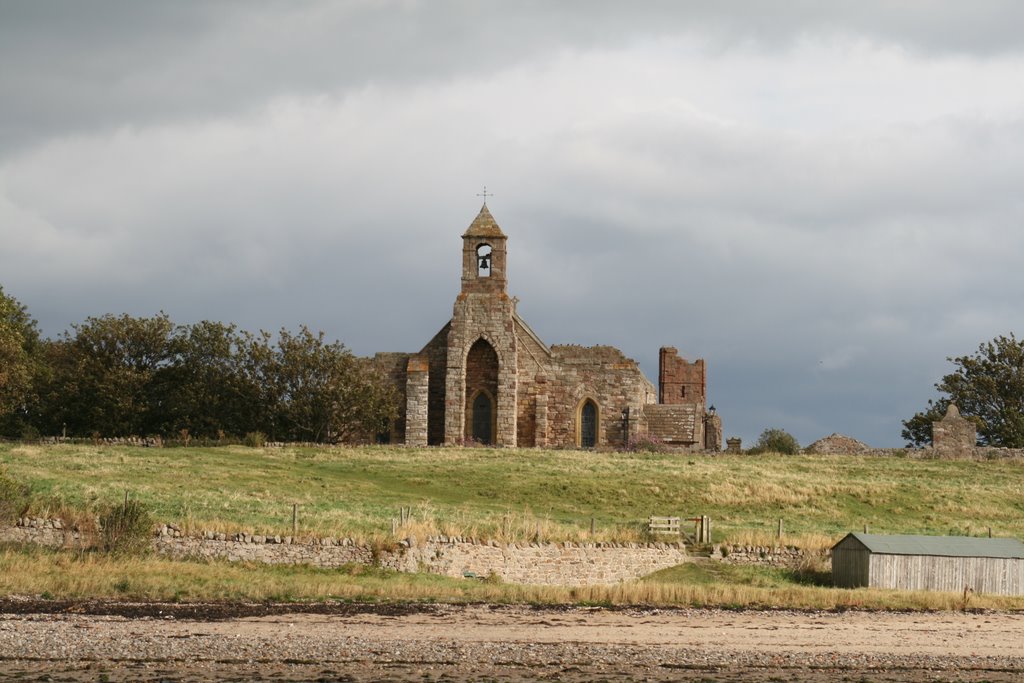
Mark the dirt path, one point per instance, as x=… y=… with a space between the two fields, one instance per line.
x=511 y=643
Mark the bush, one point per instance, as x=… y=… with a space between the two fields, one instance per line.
x=14 y=498
x=776 y=441
x=255 y=439
x=126 y=528
x=646 y=443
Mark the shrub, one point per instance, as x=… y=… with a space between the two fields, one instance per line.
x=646 y=443
x=255 y=439
x=14 y=498
x=126 y=528
x=776 y=441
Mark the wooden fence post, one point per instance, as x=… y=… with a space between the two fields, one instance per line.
x=780 y=528
x=295 y=519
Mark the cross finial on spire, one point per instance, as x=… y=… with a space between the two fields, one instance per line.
x=485 y=194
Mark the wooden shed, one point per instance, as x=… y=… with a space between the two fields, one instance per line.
x=937 y=563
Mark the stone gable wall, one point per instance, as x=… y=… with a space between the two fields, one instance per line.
x=436 y=352
x=393 y=366
x=953 y=432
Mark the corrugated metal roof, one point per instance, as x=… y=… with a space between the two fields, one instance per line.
x=941 y=546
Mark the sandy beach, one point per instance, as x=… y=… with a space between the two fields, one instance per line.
x=103 y=641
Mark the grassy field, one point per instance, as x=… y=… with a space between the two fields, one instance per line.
x=514 y=494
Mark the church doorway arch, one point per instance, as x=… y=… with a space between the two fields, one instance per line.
x=587 y=424
x=481 y=393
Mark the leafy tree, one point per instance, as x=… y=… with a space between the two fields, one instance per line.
x=987 y=387
x=776 y=441
x=104 y=378
x=204 y=387
x=315 y=391
x=19 y=353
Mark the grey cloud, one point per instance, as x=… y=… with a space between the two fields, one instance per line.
x=68 y=66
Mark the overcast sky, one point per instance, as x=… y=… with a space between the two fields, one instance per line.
x=822 y=199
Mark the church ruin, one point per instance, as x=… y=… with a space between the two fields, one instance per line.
x=487 y=378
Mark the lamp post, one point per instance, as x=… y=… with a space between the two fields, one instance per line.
x=625 y=427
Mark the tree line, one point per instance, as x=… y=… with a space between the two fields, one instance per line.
x=143 y=376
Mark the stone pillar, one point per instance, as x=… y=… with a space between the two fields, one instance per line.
x=953 y=432
x=541 y=427
x=508 y=393
x=712 y=432
x=734 y=445
x=416 y=398
x=455 y=392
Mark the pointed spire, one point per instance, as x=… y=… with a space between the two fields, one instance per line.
x=484 y=225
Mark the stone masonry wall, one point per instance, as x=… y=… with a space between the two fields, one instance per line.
x=52 y=533
x=772 y=556
x=680 y=381
x=417 y=395
x=953 y=432
x=603 y=374
x=675 y=424
x=563 y=564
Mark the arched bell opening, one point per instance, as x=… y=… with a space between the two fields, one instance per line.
x=483 y=260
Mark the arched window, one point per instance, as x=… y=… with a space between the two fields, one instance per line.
x=587 y=424
x=483 y=260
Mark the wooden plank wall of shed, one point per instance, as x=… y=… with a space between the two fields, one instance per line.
x=922 y=572
x=850 y=564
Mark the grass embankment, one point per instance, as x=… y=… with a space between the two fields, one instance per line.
x=61 y=574
x=503 y=494
x=514 y=494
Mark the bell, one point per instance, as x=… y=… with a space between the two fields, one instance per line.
x=485 y=262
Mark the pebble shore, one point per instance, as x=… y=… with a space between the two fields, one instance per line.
x=445 y=643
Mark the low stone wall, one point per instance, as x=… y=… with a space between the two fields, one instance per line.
x=49 y=532
x=786 y=557
x=561 y=564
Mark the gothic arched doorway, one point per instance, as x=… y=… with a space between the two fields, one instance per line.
x=587 y=424
x=481 y=393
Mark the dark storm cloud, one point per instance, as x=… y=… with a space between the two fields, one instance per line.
x=819 y=198
x=73 y=66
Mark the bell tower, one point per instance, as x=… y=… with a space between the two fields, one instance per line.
x=483 y=256
x=481 y=375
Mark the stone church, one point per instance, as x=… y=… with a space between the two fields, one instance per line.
x=487 y=378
